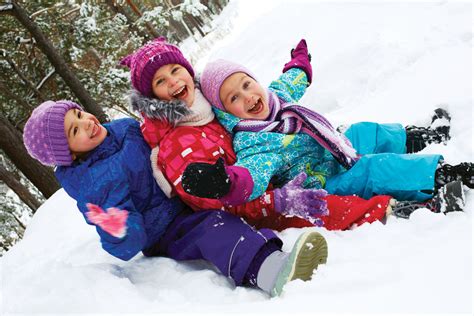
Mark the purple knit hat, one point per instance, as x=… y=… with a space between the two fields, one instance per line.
x=44 y=135
x=148 y=59
x=213 y=77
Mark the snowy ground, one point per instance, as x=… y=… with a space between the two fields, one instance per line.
x=384 y=62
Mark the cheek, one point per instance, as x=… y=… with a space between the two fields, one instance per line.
x=161 y=93
x=190 y=82
x=235 y=109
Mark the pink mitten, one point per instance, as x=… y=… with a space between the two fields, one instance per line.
x=113 y=221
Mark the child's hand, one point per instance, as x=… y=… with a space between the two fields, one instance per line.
x=293 y=200
x=205 y=180
x=113 y=221
x=300 y=58
x=300 y=49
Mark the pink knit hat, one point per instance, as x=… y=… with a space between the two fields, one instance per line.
x=148 y=59
x=213 y=77
x=44 y=135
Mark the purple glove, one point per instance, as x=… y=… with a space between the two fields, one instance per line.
x=300 y=59
x=293 y=200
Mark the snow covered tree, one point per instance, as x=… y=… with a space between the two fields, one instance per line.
x=59 y=63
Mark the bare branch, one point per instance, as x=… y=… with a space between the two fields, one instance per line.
x=46 y=78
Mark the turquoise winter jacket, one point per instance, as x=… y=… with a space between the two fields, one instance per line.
x=385 y=168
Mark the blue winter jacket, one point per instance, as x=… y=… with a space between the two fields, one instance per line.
x=118 y=174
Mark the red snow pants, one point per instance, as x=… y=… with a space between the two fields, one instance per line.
x=344 y=212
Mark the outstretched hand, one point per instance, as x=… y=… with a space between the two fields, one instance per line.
x=300 y=50
x=300 y=58
x=294 y=200
x=114 y=221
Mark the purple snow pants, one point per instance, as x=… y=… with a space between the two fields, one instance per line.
x=219 y=237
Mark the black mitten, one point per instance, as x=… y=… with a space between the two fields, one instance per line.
x=206 y=180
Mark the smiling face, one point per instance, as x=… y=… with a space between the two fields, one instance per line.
x=244 y=97
x=83 y=132
x=173 y=81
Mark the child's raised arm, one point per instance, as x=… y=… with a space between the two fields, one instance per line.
x=297 y=75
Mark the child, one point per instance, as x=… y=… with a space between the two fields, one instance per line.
x=261 y=120
x=181 y=128
x=106 y=169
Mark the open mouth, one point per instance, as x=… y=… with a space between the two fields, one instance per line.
x=95 y=130
x=181 y=93
x=256 y=108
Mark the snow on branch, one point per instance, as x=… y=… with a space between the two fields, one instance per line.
x=6 y=7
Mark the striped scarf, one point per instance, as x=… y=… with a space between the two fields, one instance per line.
x=291 y=118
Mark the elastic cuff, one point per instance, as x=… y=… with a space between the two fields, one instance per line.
x=303 y=67
x=241 y=186
x=280 y=203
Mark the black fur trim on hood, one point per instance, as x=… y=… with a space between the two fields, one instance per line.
x=172 y=111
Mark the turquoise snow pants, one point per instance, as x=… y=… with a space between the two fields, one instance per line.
x=385 y=168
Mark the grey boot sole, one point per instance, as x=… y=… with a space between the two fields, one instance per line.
x=309 y=251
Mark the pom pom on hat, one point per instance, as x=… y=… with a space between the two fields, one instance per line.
x=214 y=75
x=44 y=136
x=148 y=59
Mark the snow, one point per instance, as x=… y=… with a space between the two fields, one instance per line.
x=375 y=61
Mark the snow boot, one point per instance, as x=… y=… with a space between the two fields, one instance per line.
x=450 y=198
x=446 y=173
x=441 y=122
x=438 y=132
x=279 y=268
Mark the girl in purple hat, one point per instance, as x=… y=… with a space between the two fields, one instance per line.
x=276 y=140
x=107 y=170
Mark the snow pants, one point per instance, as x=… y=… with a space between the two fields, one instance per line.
x=218 y=237
x=384 y=167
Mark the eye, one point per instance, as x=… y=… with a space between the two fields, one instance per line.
x=174 y=70
x=233 y=98
x=246 y=84
x=79 y=114
x=159 y=81
x=74 y=132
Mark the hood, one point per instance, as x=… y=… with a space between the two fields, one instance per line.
x=170 y=111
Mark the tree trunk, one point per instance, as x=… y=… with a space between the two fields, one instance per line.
x=59 y=63
x=11 y=142
x=195 y=23
x=179 y=31
x=19 y=189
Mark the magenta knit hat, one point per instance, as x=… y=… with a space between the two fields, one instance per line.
x=44 y=135
x=213 y=77
x=148 y=59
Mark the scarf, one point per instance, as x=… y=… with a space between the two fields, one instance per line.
x=288 y=118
